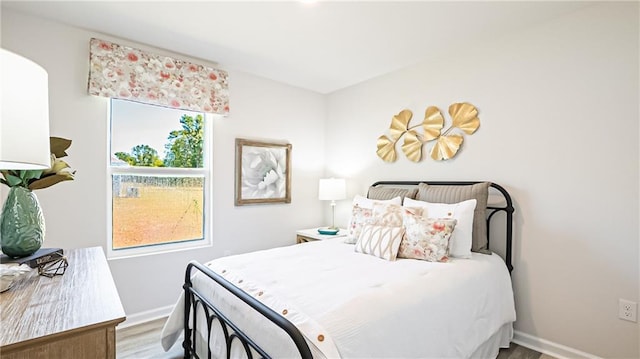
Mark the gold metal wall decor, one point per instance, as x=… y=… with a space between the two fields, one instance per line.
x=464 y=117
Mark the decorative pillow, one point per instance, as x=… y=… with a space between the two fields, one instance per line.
x=361 y=213
x=359 y=216
x=387 y=214
x=456 y=194
x=368 y=203
x=382 y=193
x=380 y=241
x=460 y=242
x=426 y=238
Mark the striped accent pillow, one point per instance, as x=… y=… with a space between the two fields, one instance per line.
x=457 y=194
x=382 y=193
x=380 y=241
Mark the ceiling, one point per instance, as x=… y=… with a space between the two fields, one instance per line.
x=320 y=46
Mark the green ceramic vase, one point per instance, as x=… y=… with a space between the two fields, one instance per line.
x=21 y=223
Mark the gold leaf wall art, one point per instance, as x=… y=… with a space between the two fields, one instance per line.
x=386 y=145
x=464 y=117
x=412 y=146
x=446 y=147
x=433 y=123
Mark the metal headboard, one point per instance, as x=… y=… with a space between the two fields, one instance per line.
x=507 y=208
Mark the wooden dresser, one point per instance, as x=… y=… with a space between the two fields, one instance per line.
x=68 y=316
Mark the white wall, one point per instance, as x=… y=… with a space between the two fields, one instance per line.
x=559 y=113
x=75 y=211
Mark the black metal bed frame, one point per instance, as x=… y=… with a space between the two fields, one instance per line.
x=193 y=299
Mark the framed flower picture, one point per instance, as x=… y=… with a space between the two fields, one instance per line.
x=263 y=172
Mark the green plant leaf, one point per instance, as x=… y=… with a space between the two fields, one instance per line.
x=12 y=180
x=30 y=174
x=50 y=180
x=58 y=146
x=56 y=167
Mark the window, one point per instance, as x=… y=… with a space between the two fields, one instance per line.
x=160 y=179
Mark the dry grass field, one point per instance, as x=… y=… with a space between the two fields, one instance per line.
x=157 y=215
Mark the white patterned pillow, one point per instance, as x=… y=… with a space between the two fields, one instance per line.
x=388 y=214
x=426 y=238
x=380 y=241
x=361 y=214
x=461 y=240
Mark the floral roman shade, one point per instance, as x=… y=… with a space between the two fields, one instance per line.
x=127 y=73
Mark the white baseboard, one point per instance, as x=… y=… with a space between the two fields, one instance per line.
x=146 y=316
x=550 y=348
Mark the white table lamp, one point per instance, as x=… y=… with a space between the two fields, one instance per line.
x=332 y=189
x=24 y=114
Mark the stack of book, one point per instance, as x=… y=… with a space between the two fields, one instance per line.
x=41 y=256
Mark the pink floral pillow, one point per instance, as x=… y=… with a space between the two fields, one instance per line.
x=359 y=217
x=361 y=214
x=426 y=238
x=387 y=214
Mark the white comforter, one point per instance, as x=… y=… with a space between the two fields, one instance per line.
x=353 y=305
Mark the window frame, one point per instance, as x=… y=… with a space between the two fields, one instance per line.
x=206 y=171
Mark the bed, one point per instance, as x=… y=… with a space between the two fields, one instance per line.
x=323 y=299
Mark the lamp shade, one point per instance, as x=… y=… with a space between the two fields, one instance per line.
x=24 y=114
x=331 y=189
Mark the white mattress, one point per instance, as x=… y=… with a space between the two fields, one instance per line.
x=363 y=306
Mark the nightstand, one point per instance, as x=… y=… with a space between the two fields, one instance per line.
x=308 y=235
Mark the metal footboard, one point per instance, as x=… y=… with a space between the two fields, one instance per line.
x=193 y=299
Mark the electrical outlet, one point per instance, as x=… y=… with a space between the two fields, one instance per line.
x=627 y=310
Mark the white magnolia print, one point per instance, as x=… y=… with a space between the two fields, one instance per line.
x=263 y=172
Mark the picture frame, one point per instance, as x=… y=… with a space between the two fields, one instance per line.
x=263 y=172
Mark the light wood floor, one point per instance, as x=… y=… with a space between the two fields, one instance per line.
x=143 y=342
